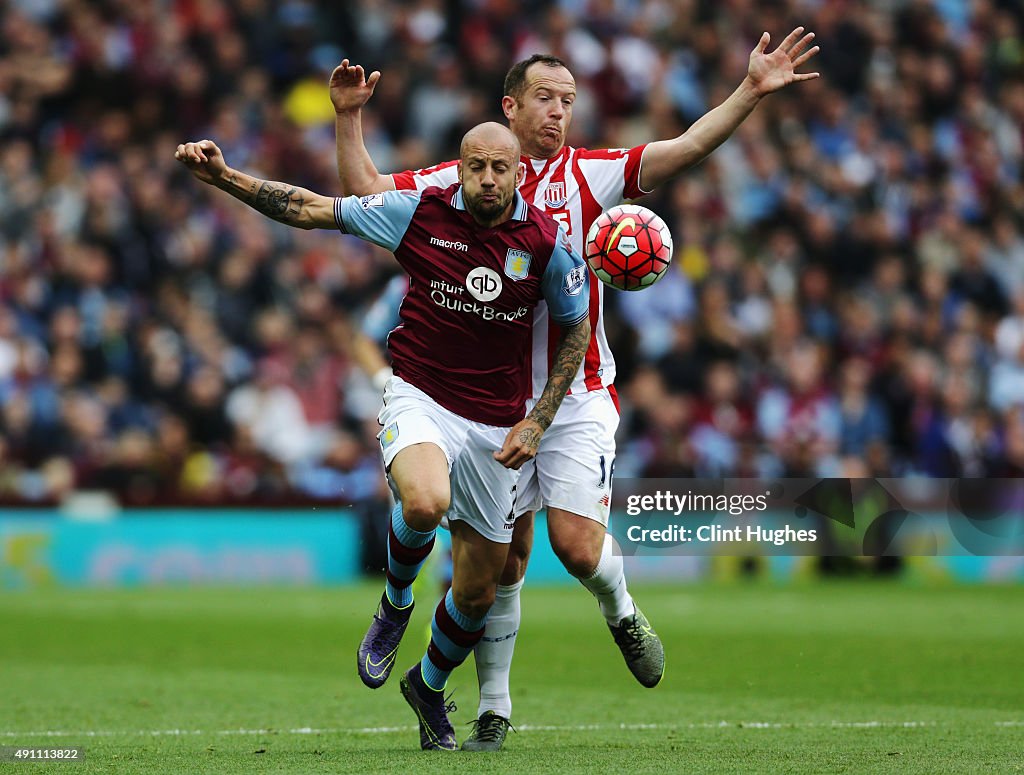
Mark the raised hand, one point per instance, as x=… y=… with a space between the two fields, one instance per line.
x=204 y=159
x=769 y=72
x=350 y=88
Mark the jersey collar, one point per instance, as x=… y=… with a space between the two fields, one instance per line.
x=518 y=211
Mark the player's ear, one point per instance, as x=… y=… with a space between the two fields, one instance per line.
x=520 y=174
x=459 y=168
x=508 y=107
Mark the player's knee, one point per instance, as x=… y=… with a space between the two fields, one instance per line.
x=423 y=509
x=579 y=559
x=474 y=600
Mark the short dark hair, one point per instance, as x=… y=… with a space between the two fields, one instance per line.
x=515 y=79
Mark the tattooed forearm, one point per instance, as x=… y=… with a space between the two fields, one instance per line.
x=277 y=201
x=568 y=356
x=280 y=201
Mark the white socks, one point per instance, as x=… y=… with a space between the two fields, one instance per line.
x=494 y=651
x=608 y=584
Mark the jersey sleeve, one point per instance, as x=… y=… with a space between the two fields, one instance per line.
x=382 y=316
x=442 y=175
x=613 y=174
x=378 y=218
x=566 y=284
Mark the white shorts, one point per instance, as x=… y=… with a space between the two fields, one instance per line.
x=483 y=490
x=574 y=464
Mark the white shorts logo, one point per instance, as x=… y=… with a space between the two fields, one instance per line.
x=483 y=284
x=389 y=435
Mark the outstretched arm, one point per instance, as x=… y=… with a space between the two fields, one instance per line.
x=523 y=439
x=766 y=73
x=350 y=90
x=288 y=204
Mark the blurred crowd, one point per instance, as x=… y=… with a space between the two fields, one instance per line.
x=847 y=297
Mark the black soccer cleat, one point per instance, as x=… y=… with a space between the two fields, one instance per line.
x=488 y=732
x=641 y=647
x=379 y=646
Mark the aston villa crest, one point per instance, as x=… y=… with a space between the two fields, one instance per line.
x=389 y=435
x=517 y=264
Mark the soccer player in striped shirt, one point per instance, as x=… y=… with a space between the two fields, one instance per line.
x=571 y=475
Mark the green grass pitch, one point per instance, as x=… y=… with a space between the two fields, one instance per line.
x=835 y=677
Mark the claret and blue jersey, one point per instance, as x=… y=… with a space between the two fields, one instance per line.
x=573 y=187
x=466 y=333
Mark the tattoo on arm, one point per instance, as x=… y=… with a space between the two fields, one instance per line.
x=277 y=201
x=568 y=356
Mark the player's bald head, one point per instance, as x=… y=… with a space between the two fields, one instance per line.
x=490 y=138
x=489 y=170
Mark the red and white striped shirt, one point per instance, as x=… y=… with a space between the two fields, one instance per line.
x=573 y=187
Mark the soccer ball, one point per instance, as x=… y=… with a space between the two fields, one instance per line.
x=629 y=247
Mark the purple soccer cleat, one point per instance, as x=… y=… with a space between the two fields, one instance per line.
x=436 y=733
x=379 y=646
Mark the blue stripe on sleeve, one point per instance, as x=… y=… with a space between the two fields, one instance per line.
x=379 y=218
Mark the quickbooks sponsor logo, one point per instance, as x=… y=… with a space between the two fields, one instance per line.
x=446 y=295
x=484 y=284
x=449 y=244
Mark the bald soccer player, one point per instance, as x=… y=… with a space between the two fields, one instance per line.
x=479 y=260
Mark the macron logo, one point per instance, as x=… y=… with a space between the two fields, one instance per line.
x=451 y=245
